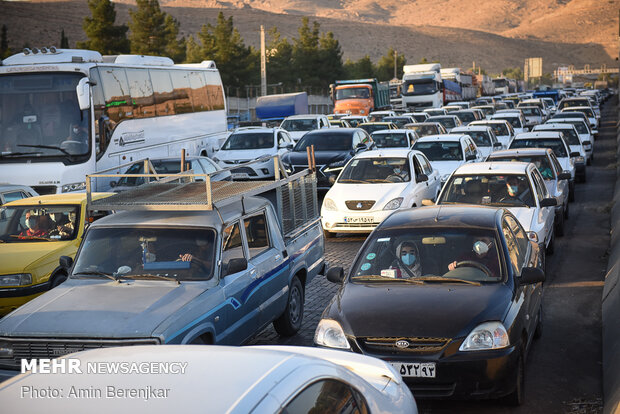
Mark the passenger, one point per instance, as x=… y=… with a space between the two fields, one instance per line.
x=33 y=222
x=482 y=252
x=408 y=261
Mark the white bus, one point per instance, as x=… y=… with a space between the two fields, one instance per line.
x=67 y=113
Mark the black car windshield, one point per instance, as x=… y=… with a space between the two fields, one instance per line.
x=489 y=189
x=370 y=128
x=541 y=161
x=390 y=140
x=447 y=122
x=440 y=151
x=556 y=144
x=293 y=125
x=182 y=254
x=352 y=93
x=569 y=133
x=325 y=142
x=429 y=255
x=38 y=223
x=481 y=138
x=245 y=141
x=376 y=170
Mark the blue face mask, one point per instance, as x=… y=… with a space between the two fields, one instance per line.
x=408 y=258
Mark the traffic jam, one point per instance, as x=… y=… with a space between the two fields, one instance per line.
x=118 y=239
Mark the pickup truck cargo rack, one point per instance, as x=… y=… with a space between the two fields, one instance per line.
x=296 y=195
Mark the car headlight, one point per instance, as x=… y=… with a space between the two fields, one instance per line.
x=74 y=187
x=533 y=236
x=329 y=333
x=393 y=204
x=329 y=205
x=488 y=335
x=335 y=166
x=6 y=350
x=19 y=279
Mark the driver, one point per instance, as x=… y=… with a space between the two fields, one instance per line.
x=408 y=260
x=200 y=257
x=482 y=252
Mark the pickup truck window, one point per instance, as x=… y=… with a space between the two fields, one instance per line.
x=129 y=252
x=257 y=234
x=232 y=246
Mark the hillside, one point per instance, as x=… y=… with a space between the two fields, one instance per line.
x=453 y=46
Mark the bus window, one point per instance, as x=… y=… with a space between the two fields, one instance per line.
x=141 y=92
x=116 y=92
x=162 y=85
x=102 y=124
x=216 y=95
x=180 y=82
x=200 y=99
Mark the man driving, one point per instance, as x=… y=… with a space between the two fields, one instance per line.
x=483 y=251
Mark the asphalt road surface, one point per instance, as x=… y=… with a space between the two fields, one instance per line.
x=564 y=367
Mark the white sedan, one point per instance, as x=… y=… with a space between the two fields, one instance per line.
x=517 y=186
x=212 y=379
x=374 y=184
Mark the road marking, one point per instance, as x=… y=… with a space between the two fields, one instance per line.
x=599 y=283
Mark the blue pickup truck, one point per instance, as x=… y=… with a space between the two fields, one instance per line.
x=167 y=269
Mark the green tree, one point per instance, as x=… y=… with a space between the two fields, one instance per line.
x=64 y=42
x=360 y=69
x=330 y=59
x=306 y=53
x=193 y=52
x=385 y=66
x=154 y=32
x=279 y=57
x=4 y=43
x=103 y=35
x=513 y=73
x=222 y=43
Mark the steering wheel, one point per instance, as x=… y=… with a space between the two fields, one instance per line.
x=394 y=178
x=477 y=265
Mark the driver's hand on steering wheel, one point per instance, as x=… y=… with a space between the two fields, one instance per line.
x=452 y=265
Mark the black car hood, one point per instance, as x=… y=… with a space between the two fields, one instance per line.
x=431 y=310
x=320 y=157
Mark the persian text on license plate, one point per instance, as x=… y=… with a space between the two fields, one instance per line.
x=415 y=369
x=359 y=219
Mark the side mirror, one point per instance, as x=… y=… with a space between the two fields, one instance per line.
x=427 y=202
x=549 y=202
x=83 y=93
x=331 y=179
x=531 y=275
x=422 y=178
x=335 y=275
x=564 y=176
x=574 y=154
x=113 y=184
x=470 y=157
x=236 y=265
x=497 y=145
x=65 y=262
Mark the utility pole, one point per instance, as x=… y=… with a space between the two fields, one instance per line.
x=395 y=63
x=263 y=63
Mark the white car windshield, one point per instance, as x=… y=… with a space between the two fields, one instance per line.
x=391 y=140
x=489 y=189
x=293 y=125
x=376 y=170
x=541 y=161
x=440 y=151
x=481 y=138
x=245 y=141
x=556 y=144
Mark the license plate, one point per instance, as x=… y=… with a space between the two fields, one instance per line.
x=359 y=220
x=238 y=175
x=415 y=369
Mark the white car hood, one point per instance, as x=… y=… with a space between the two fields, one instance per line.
x=524 y=215
x=446 y=167
x=296 y=135
x=382 y=193
x=243 y=155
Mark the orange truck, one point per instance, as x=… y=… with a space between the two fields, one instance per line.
x=360 y=96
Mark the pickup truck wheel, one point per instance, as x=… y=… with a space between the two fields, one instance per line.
x=58 y=279
x=328 y=234
x=290 y=321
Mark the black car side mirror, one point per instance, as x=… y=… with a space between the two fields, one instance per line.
x=531 y=275
x=236 y=265
x=113 y=184
x=422 y=178
x=65 y=262
x=331 y=179
x=564 y=176
x=549 y=202
x=574 y=154
x=335 y=274
x=497 y=145
x=470 y=157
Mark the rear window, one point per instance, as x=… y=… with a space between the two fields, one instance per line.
x=556 y=144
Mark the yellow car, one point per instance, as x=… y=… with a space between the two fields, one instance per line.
x=34 y=233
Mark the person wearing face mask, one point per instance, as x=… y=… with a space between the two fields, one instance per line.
x=483 y=251
x=408 y=260
x=63 y=226
x=33 y=224
x=77 y=141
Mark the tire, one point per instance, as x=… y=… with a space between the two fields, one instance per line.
x=571 y=192
x=551 y=247
x=515 y=398
x=328 y=234
x=58 y=279
x=566 y=211
x=559 y=227
x=539 y=326
x=290 y=321
x=543 y=262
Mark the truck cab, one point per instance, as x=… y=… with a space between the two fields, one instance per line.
x=360 y=96
x=422 y=86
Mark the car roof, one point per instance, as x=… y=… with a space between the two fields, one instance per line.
x=553 y=126
x=488 y=121
x=331 y=131
x=49 y=199
x=470 y=127
x=304 y=116
x=442 y=137
x=249 y=130
x=386 y=152
x=376 y=123
x=538 y=134
x=392 y=131
x=452 y=216
x=493 y=167
x=520 y=151
x=441 y=117
x=506 y=114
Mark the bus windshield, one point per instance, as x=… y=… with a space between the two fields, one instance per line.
x=40 y=119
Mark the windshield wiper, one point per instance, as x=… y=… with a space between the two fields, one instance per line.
x=95 y=273
x=377 y=278
x=64 y=151
x=440 y=279
x=148 y=276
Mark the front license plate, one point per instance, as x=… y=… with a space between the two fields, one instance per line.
x=238 y=176
x=359 y=220
x=415 y=369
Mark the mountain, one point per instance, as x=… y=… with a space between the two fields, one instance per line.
x=495 y=34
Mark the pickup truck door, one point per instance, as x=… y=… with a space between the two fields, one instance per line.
x=270 y=267
x=241 y=310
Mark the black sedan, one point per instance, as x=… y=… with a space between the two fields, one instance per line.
x=451 y=296
x=333 y=148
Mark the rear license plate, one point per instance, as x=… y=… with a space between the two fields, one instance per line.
x=415 y=369
x=359 y=220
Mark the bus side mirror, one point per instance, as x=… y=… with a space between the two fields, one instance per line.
x=83 y=93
